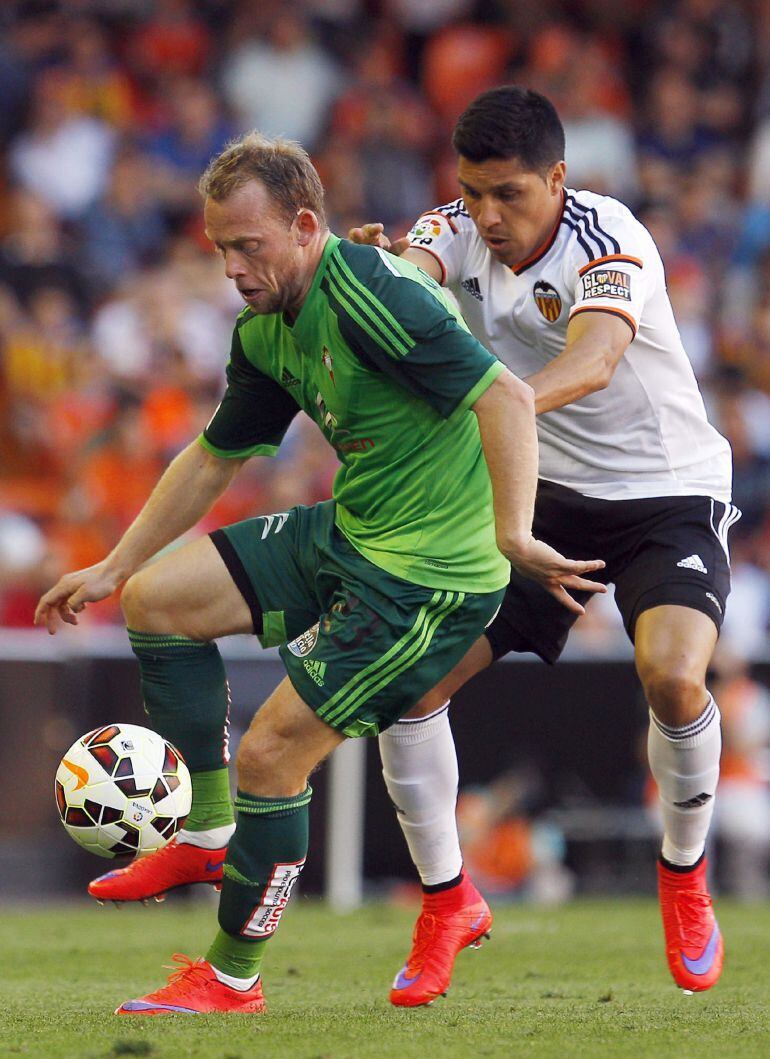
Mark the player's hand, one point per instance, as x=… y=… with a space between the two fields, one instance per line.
x=374 y=235
x=544 y=564
x=72 y=592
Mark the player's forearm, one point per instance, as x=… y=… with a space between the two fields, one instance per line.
x=508 y=436
x=583 y=368
x=185 y=492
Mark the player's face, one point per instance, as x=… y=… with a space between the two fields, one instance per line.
x=261 y=249
x=513 y=209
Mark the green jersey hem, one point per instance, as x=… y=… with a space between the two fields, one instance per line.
x=406 y=567
x=233 y=454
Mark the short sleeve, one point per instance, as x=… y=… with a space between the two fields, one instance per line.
x=397 y=320
x=615 y=282
x=254 y=414
x=439 y=234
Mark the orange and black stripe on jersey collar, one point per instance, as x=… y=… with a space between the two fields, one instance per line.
x=543 y=249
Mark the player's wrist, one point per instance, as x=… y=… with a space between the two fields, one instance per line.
x=514 y=545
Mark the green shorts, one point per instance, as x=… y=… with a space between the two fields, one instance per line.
x=361 y=646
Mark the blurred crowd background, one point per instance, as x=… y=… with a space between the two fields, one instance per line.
x=115 y=315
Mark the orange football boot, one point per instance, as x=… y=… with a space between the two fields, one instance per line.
x=194 y=989
x=694 y=946
x=450 y=921
x=177 y=864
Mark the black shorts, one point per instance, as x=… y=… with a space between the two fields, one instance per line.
x=661 y=550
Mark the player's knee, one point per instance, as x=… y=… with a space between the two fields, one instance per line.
x=676 y=693
x=263 y=762
x=138 y=601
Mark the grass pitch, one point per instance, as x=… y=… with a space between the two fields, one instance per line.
x=585 y=980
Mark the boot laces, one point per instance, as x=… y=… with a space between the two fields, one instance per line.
x=192 y=972
x=695 y=922
x=425 y=930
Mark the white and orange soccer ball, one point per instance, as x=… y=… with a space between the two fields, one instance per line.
x=122 y=789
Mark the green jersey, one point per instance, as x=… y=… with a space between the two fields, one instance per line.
x=382 y=361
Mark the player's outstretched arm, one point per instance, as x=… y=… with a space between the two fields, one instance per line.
x=374 y=235
x=506 y=415
x=596 y=341
x=185 y=492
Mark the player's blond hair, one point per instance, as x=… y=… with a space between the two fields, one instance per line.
x=282 y=166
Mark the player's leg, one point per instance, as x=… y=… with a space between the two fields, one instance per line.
x=421 y=774
x=285 y=742
x=672 y=595
x=174 y=609
x=673 y=649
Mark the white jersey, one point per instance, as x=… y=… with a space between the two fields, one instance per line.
x=646 y=434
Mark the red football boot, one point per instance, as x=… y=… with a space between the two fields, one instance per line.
x=194 y=989
x=177 y=864
x=694 y=946
x=450 y=921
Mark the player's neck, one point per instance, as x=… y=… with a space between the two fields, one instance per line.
x=314 y=254
x=552 y=218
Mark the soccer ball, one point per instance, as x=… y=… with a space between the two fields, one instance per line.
x=122 y=789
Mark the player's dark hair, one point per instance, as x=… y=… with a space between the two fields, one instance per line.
x=511 y=122
x=283 y=166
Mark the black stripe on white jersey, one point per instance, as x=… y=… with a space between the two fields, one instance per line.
x=590 y=254
x=597 y=226
x=585 y=220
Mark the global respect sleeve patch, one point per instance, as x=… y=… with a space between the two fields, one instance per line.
x=607 y=283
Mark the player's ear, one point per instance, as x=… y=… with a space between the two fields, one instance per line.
x=556 y=177
x=306 y=225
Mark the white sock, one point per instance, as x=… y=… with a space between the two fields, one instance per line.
x=419 y=764
x=685 y=764
x=214 y=838
x=241 y=984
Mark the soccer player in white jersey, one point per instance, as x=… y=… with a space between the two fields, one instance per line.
x=567 y=288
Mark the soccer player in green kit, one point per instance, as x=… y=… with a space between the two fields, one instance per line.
x=374 y=595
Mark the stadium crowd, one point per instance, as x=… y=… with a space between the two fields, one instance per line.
x=115 y=315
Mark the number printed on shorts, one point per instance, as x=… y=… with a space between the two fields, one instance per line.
x=265 y=918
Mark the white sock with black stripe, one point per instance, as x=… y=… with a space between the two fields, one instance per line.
x=419 y=765
x=685 y=764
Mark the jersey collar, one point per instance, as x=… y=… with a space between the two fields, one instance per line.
x=543 y=249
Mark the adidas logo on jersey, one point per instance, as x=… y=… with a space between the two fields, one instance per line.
x=315 y=670
x=287 y=379
x=693 y=562
x=473 y=288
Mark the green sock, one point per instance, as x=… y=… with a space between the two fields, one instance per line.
x=188 y=701
x=212 y=805
x=264 y=859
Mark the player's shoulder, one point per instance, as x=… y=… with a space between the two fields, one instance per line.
x=600 y=226
x=450 y=219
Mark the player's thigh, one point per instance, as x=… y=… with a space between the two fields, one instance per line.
x=274 y=560
x=188 y=592
x=284 y=743
x=679 y=559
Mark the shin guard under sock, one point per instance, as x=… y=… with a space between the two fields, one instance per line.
x=264 y=859
x=685 y=765
x=187 y=698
